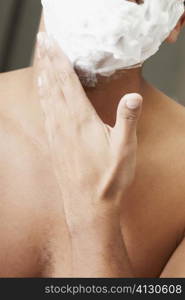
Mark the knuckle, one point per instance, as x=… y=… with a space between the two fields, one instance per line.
x=80 y=120
x=130 y=116
x=66 y=75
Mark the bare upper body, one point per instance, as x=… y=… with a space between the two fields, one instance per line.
x=33 y=233
x=153 y=211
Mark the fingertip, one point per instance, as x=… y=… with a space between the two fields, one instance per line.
x=40 y=86
x=45 y=43
x=40 y=81
x=133 y=101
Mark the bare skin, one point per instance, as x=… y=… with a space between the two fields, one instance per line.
x=68 y=94
x=153 y=212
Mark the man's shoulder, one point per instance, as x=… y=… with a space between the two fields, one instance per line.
x=18 y=148
x=10 y=134
x=175 y=106
x=173 y=119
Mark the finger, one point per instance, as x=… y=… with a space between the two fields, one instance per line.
x=45 y=103
x=51 y=88
x=70 y=84
x=42 y=45
x=53 y=109
x=128 y=114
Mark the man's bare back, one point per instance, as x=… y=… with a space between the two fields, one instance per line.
x=153 y=214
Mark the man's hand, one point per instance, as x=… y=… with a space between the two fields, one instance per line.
x=93 y=162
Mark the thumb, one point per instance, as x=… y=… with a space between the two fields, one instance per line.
x=128 y=114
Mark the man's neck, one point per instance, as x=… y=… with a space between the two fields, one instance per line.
x=19 y=89
x=106 y=95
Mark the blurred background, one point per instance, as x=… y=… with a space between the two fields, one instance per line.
x=19 y=21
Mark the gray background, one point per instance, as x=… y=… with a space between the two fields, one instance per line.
x=19 y=21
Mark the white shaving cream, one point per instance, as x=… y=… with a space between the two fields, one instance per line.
x=103 y=36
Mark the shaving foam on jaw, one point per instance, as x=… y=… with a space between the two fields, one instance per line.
x=103 y=36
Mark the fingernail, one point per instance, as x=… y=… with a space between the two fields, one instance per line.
x=133 y=101
x=41 y=83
